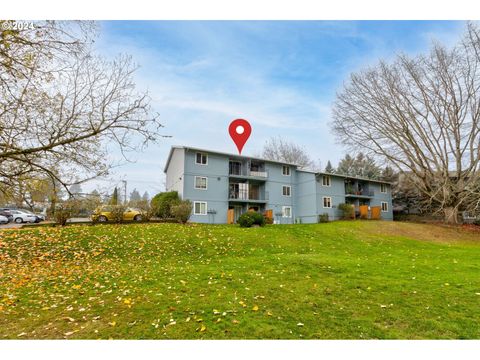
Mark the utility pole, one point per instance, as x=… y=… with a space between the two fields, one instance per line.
x=125 y=191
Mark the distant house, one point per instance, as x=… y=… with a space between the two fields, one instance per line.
x=223 y=186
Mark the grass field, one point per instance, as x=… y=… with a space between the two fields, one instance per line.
x=341 y=280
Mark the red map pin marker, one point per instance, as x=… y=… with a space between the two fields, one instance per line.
x=240 y=131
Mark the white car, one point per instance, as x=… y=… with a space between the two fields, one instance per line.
x=20 y=216
x=3 y=219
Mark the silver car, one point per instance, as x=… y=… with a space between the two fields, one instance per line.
x=3 y=219
x=20 y=216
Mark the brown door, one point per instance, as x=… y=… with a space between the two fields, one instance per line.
x=230 y=216
x=269 y=214
x=363 y=211
x=375 y=212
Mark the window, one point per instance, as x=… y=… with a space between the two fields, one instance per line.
x=201 y=182
x=383 y=188
x=286 y=211
x=286 y=170
x=199 y=208
x=327 y=202
x=286 y=190
x=201 y=158
x=384 y=206
x=325 y=180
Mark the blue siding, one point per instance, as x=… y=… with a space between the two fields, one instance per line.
x=306 y=194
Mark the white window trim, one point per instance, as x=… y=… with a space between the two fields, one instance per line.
x=386 y=206
x=289 y=170
x=323 y=202
x=195 y=183
x=385 y=187
x=283 y=211
x=329 y=180
x=206 y=156
x=200 y=202
x=287 y=186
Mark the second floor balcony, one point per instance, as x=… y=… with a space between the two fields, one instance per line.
x=250 y=194
x=247 y=168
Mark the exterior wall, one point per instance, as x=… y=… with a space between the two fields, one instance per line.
x=274 y=187
x=216 y=195
x=336 y=191
x=306 y=199
x=379 y=197
x=175 y=171
x=307 y=191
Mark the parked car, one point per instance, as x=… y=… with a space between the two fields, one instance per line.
x=38 y=217
x=7 y=214
x=21 y=216
x=4 y=220
x=104 y=214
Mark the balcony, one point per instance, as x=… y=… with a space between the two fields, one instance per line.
x=365 y=193
x=247 y=169
x=247 y=195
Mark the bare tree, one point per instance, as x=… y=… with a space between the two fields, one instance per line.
x=279 y=149
x=61 y=105
x=422 y=115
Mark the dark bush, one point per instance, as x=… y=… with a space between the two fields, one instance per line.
x=251 y=218
x=162 y=204
x=323 y=218
x=348 y=211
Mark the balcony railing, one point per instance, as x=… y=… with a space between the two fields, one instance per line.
x=357 y=192
x=238 y=169
x=247 y=172
x=247 y=195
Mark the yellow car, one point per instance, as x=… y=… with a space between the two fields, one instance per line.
x=104 y=214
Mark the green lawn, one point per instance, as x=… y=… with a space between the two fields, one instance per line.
x=341 y=280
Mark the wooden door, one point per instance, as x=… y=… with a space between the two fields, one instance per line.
x=375 y=211
x=230 y=216
x=363 y=211
x=269 y=214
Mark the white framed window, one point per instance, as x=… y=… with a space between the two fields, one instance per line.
x=327 y=202
x=201 y=182
x=286 y=211
x=383 y=188
x=326 y=180
x=201 y=158
x=384 y=206
x=285 y=170
x=286 y=190
x=199 y=208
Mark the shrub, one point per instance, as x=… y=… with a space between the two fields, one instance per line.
x=251 y=218
x=182 y=211
x=268 y=220
x=163 y=202
x=245 y=220
x=477 y=222
x=323 y=218
x=117 y=213
x=144 y=206
x=65 y=210
x=348 y=211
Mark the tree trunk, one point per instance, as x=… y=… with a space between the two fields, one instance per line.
x=451 y=215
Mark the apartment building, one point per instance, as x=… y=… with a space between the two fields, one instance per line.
x=223 y=186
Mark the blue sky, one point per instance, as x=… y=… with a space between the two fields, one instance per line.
x=282 y=76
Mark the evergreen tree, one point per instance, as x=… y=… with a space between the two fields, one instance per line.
x=145 y=196
x=114 y=200
x=135 y=196
x=361 y=166
x=329 y=168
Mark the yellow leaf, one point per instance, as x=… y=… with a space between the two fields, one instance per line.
x=113 y=323
x=203 y=328
x=255 y=308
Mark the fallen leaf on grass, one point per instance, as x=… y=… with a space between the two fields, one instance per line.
x=255 y=308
